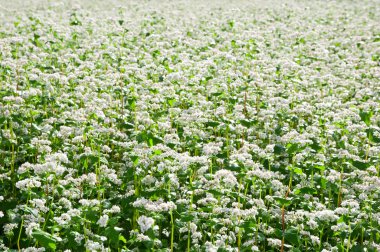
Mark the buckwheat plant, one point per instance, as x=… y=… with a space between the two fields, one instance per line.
x=190 y=125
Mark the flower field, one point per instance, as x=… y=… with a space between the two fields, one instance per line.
x=190 y=125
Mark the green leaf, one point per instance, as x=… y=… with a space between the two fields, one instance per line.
x=132 y=103
x=298 y=171
x=212 y=124
x=171 y=102
x=45 y=239
x=279 y=149
x=127 y=125
x=135 y=159
x=360 y=165
x=283 y=201
x=320 y=167
x=216 y=94
x=292 y=148
x=366 y=116
x=306 y=190
x=248 y=224
x=358 y=248
x=246 y=123
x=186 y=217
x=112 y=235
x=122 y=238
x=215 y=192
x=151 y=142
x=291 y=236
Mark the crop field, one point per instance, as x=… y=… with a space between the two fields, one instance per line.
x=189 y=125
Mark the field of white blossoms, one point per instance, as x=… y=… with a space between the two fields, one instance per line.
x=190 y=125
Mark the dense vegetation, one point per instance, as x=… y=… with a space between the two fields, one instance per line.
x=190 y=126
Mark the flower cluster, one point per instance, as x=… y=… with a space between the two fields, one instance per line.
x=190 y=126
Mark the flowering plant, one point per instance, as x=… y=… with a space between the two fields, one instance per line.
x=185 y=126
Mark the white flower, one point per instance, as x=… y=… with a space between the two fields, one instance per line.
x=226 y=176
x=212 y=148
x=94 y=246
x=145 y=223
x=148 y=180
x=326 y=215
x=8 y=228
x=114 y=209
x=274 y=242
x=33 y=249
x=28 y=183
x=312 y=224
x=78 y=237
x=102 y=222
x=315 y=239
x=39 y=204
x=29 y=228
x=141 y=237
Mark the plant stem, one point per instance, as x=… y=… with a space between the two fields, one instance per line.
x=19 y=234
x=283 y=212
x=172 y=233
